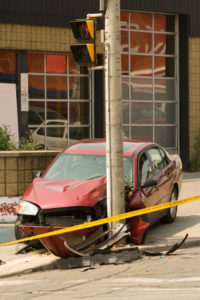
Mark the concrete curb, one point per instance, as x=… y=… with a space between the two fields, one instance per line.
x=37 y=262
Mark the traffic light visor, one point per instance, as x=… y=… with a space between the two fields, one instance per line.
x=84 y=53
x=83 y=30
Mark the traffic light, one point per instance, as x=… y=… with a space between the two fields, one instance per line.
x=84 y=51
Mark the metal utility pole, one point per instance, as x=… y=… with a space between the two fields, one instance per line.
x=113 y=95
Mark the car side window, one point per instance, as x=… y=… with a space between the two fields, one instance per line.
x=145 y=168
x=164 y=157
x=157 y=160
x=56 y=132
x=41 y=131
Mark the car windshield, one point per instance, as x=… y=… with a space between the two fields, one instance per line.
x=85 y=167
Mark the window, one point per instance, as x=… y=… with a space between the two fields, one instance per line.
x=149 y=77
x=8 y=67
x=157 y=160
x=58 y=90
x=145 y=169
x=56 y=132
x=41 y=131
x=85 y=167
x=164 y=157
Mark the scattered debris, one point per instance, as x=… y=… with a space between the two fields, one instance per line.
x=170 y=251
x=177 y=245
x=32 y=246
x=2 y=262
x=106 y=257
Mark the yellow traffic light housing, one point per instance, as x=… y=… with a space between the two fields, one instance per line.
x=84 y=31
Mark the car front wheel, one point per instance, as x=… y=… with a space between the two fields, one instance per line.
x=172 y=211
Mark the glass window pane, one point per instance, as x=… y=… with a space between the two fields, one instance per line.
x=55 y=63
x=56 y=87
x=57 y=132
x=54 y=137
x=36 y=113
x=7 y=67
x=56 y=111
x=124 y=19
x=36 y=62
x=79 y=113
x=78 y=133
x=141 y=65
x=125 y=88
x=141 y=89
x=142 y=113
x=73 y=67
x=164 y=89
x=164 y=66
x=41 y=131
x=36 y=86
x=164 y=23
x=78 y=87
x=164 y=44
x=140 y=42
x=125 y=132
x=165 y=136
x=124 y=64
x=125 y=111
x=124 y=41
x=165 y=113
x=142 y=133
x=140 y=21
x=157 y=161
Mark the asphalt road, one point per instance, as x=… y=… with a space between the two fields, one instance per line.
x=7 y=233
x=169 y=277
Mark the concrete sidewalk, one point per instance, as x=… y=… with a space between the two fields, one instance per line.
x=161 y=237
x=188 y=176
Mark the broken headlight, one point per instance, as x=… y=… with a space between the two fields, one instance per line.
x=27 y=208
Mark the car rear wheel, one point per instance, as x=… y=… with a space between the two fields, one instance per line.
x=172 y=211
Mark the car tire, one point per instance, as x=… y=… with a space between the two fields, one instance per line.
x=172 y=211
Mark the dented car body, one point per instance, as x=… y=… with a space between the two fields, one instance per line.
x=72 y=191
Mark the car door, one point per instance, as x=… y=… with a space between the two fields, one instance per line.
x=149 y=194
x=162 y=174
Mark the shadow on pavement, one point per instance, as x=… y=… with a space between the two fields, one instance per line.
x=166 y=232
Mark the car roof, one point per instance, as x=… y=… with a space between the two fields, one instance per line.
x=98 y=147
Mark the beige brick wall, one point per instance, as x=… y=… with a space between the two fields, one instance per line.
x=194 y=89
x=38 y=38
x=17 y=169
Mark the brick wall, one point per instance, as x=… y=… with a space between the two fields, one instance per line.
x=38 y=38
x=194 y=86
x=17 y=169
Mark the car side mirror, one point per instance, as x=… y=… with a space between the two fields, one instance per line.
x=149 y=183
x=37 y=174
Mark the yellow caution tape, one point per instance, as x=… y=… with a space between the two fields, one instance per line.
x=127 y=215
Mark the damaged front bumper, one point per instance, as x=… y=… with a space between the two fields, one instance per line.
x=78 y=243
x=55 y=243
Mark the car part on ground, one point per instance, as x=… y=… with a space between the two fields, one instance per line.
x=170 y=251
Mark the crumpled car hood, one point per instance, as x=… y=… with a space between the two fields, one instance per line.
x=51 y=193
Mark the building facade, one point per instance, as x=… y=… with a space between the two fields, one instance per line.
x=59 y=102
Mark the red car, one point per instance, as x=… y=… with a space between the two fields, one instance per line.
x=72 y=190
